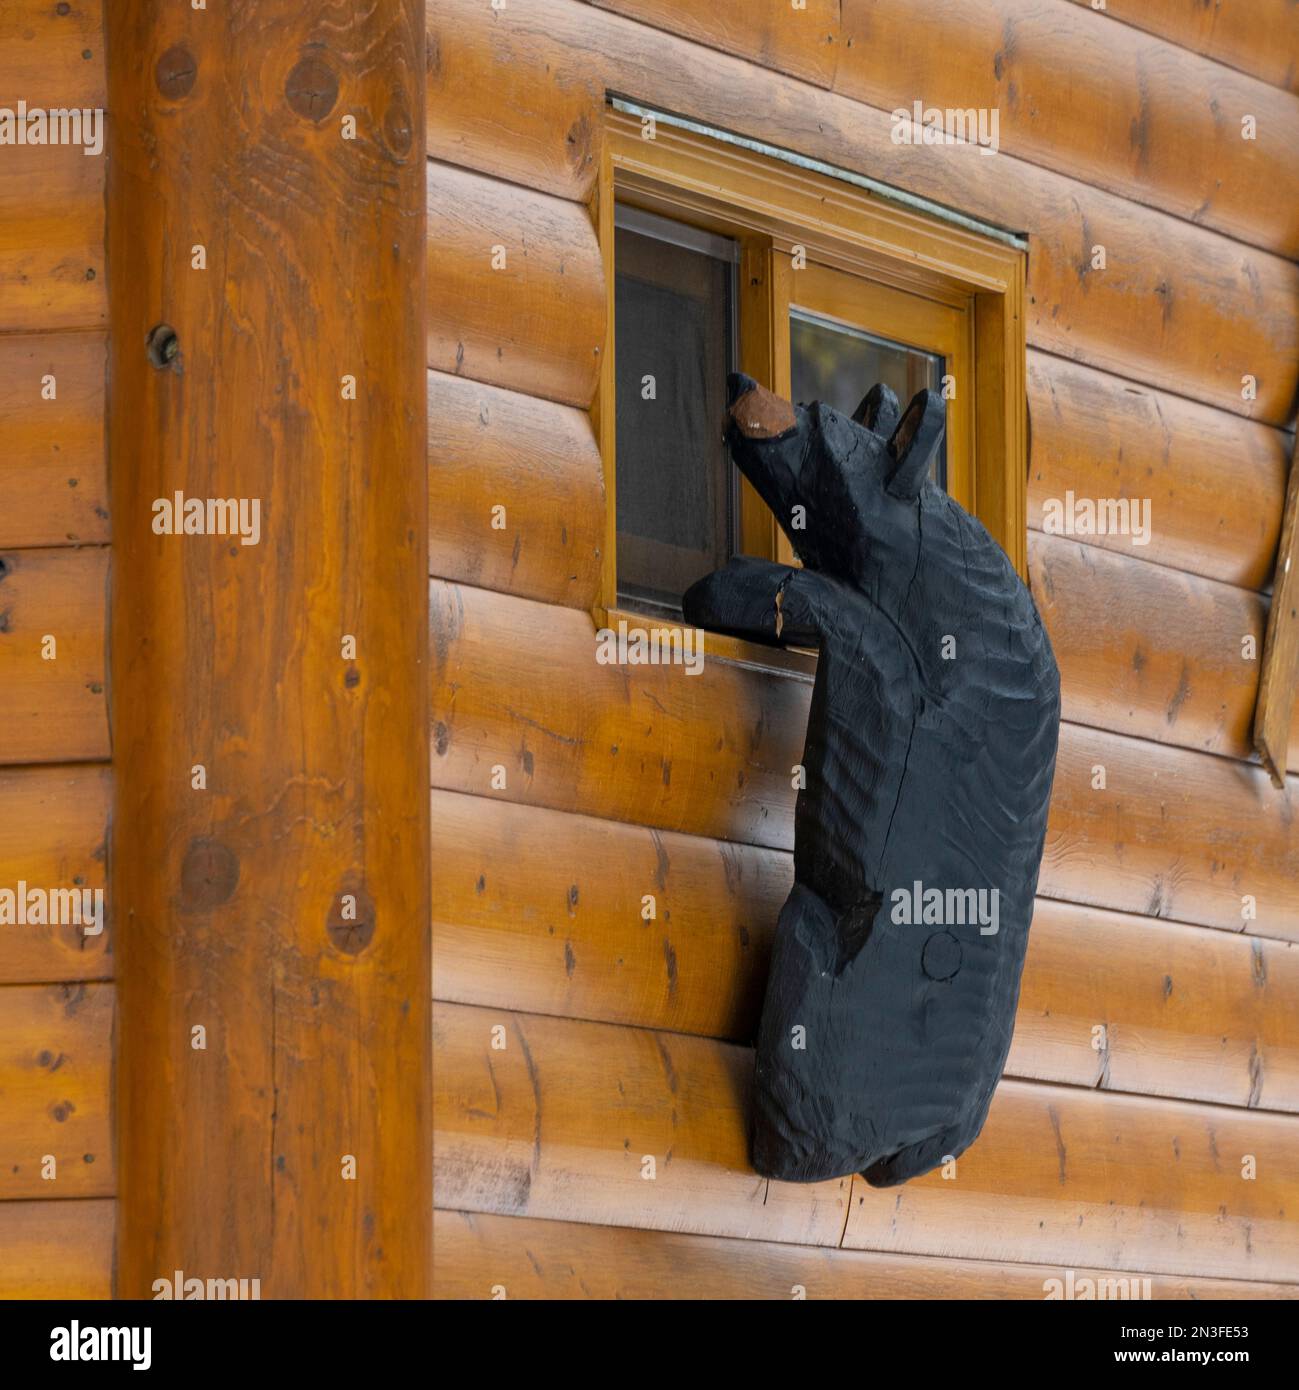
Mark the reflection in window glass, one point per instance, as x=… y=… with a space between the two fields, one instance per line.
x=837 y=365
x=676 y=495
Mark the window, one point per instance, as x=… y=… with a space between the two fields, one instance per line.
x=722 y=257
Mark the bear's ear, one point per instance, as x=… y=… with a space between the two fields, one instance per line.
x=878 y=411
x=915 y=442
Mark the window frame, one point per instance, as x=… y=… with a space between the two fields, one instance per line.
x=772 y=208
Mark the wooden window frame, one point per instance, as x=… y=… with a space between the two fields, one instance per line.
x=772 y=208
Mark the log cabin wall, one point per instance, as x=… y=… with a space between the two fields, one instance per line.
x=56 y=984
x=573 y=1039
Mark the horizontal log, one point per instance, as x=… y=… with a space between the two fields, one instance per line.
x=51 y=239
x=560 y=1120
x=1103 y=103
x=516 y=686
x=590 y=1122
x=52 y=55
x=489 y=448
x=516 y=689
x=515 y=287
x=544 y=132
x=52 y=702
x=1215 y=483
x=53 y=831
x=1122 y=1003
x=1179 y=307
x=802 y=41
x=541 y=911
x=476 y=1256
x=57 y=1249
x=1150 y=651
x=1085 y=1178
x=55 y=1070
x=53 y=487
x=1171 y=833
x=1260 y=38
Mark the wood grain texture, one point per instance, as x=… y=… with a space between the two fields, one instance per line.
x=57 y=1249
x=535 y=323
x=1215 y=483
x=1176 y=834
x=1149 y=651
x=283 y=908
x=51 y=239
x=55 y=1084
x=541 y=911
x=475 y=1255
x=1085 y=1178
x=53 y=707
x=557 y=1124
x=1171 y=833
x=1103 y=103
x=1179 y=307
x=804 y=42
x=561 y=1120
x=1274 y=716
x=51 y=54
x=1122 y=1003
x=53 y=832
x=53 y=486
x=538 y=460
x=707 y=754
x=1260 y=37
x=542 y=132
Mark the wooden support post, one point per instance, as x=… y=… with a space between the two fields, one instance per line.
x=270 y=846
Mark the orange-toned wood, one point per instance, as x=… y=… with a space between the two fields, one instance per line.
x=1101 y=102
x=1123 y=1003
x=283 y=906
x=543 y=133
x=558 y=1122
x=803 y=41
x=1179 y=306
x=480 y=1256
x=541 y=911
x=52 y=702
x=1215 y=483
x=53 y=829
x=52 y=55
x=1084 y=1178
x=1150 y=651
x=1274 y=717
x=491 y=448
x=1176 y=834
x=57 y=1249
x=536 y=322
x=1260 y=37
x=516 y=686
x=53 y=488
x=51 y=238
x=614 y=1125
x=55 y=1069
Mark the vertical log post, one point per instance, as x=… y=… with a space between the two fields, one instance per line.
x=269 y=862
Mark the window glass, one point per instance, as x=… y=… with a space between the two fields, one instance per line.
x=675 y=489
x=837 y=365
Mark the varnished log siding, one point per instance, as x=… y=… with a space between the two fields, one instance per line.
x=1157 y=1039
x=56 y=989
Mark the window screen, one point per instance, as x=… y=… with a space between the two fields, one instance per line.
x=676 y=492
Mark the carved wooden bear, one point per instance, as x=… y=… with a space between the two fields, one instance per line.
x=929 y=759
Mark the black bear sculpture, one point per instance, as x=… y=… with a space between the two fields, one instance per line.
x=929 y=758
